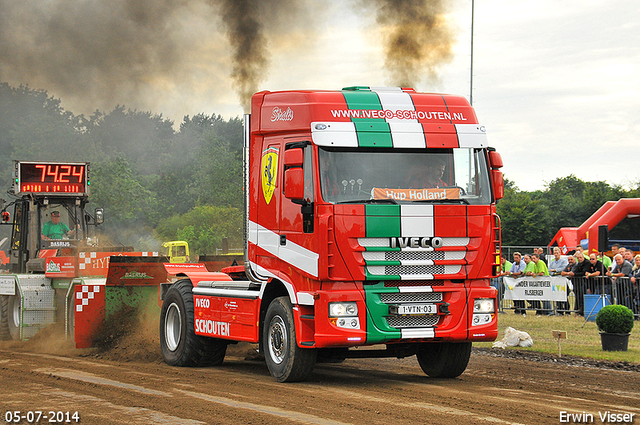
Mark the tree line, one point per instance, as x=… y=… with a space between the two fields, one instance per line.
x=154 y=181
x=533 y=218
x=157 y=181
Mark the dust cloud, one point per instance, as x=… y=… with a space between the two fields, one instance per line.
x=178 y=55
x=50 y=340
x=250 y=26
x=101 y=52
x=417 y=38
x=129 y=335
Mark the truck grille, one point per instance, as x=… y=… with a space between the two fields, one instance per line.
x=413 y=255
x=422 y=270
x=402 y=322
x=398 y=283
x=413 y=263
x=409 y=297
x=384 y=242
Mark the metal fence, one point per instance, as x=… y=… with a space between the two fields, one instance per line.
x=619 y=291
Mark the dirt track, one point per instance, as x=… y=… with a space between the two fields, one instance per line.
x=129 y=384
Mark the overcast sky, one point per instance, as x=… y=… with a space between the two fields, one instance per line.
x=556 y=83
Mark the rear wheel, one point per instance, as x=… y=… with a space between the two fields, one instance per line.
x=14 y=314
x=286 y=361
x=4 y=318
x=444 y=359
x=178 y=340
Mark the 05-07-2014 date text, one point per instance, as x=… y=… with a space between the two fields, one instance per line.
x=41 y=416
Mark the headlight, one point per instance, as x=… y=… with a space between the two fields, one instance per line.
x=483 y=305
x=343 y=309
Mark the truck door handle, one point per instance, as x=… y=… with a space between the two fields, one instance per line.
x=283 y=240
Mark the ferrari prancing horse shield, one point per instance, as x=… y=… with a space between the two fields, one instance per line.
x=269 y=169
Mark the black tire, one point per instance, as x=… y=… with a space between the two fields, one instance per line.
x=444 y=359
x=4 y=318
x=14 y=316
x=286 y=361
x=180 y=345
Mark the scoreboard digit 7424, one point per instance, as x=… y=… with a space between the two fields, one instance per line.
x=51 y=178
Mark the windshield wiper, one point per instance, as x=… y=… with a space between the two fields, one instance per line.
x=370 y=201
x=448 y=200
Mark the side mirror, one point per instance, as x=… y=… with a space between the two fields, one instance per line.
x=99 y=215
x=498 y=184
x=497 y=180
x=495 y=159
x=294 y=174
x=293 y=157
x=294 y=184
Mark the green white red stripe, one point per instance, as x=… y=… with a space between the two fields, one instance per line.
x=388 y=118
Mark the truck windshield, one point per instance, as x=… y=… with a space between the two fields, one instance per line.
x=383 y=175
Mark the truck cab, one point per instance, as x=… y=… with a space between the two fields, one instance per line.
x=370 y=221
x=176 y=251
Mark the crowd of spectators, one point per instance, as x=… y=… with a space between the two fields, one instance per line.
x=588 y=273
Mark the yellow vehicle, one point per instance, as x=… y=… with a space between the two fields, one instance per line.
x=177 y=251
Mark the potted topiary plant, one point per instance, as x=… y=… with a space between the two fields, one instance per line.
x=614 y=323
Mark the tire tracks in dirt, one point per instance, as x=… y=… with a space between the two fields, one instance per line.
x=494 y=390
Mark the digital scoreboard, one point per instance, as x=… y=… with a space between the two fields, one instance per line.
x=51 y=178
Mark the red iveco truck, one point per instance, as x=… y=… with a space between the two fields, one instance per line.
x=370 y=223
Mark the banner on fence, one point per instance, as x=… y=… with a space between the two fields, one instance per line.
x=540 y=288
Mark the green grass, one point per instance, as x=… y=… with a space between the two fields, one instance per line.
x=581 y=341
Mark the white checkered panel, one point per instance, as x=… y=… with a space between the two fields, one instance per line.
x=85 y=258
x=88 y=293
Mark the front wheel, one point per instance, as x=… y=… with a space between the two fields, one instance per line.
x=178 y=340
x=444 y=359
x=286 y=361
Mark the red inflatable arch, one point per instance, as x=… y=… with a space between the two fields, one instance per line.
x=610 y=214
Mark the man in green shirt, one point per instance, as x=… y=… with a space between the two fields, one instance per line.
x=505 y=265
x=54 y=229
x=530 y=265
x=529 y=270
x=540 y=269
x=505 y=270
